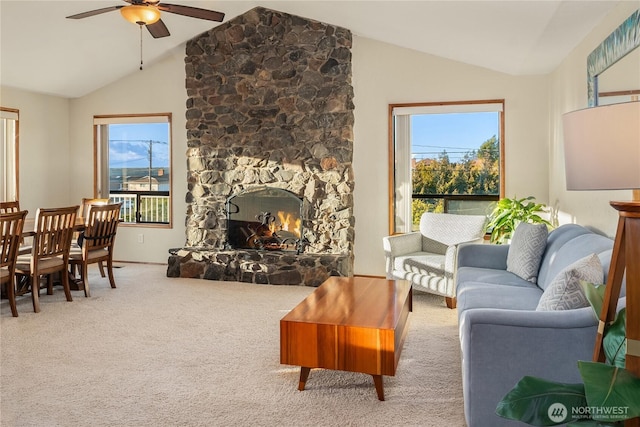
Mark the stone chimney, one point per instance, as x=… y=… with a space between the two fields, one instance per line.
x=270 y=103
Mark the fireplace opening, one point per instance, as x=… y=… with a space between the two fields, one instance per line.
x=264 y=218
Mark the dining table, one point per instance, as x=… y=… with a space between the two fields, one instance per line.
x=29 y=228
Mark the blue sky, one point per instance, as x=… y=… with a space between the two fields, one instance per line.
x=457 y=133
x=129 y=145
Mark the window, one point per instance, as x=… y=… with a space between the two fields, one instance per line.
x=9 y=154
x=133 y=165
x=445 y=157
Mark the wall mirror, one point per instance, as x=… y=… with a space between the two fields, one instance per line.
x=621 y=42
x=620 y=82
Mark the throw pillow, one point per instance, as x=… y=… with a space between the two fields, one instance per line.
x=565 y=292
x=525 y=253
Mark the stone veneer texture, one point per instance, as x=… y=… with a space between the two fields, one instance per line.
x=270 y=103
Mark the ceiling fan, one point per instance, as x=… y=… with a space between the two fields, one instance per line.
x=147 y=13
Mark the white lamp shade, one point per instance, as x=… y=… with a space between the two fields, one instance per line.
x=602 y=147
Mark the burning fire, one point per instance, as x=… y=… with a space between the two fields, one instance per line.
x=286 y=223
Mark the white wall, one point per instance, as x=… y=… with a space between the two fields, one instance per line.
x=44 y=148
x=159 y=88
x=384 y=74
x=568 y=92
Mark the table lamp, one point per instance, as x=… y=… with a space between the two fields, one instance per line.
x=602 y=152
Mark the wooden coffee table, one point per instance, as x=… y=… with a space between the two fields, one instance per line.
x=351 y=324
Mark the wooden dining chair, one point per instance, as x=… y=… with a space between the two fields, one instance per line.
x=11 y=225
x=84 y=212
x=9 y=207
x=86 y=203
x=50 y=254
x=12 y=207
x=98 y=242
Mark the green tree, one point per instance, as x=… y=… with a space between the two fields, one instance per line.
x=486 y=171
x=477 y=172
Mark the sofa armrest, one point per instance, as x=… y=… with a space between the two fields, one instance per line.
x=560 y=319
x=499 y=347
x=451 y=255
x=402 y=244
x=397 y=245
x=483 y=256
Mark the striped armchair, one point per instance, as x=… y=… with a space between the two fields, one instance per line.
x=427 y=258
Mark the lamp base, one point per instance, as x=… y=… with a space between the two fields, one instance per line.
x=625 y=256
x=627 y=207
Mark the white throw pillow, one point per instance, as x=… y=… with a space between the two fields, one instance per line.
x=565 y=292
x=525 y=253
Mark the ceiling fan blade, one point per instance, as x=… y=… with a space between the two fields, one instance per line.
x=158 y=29
x=94 y=12
x=193 y=12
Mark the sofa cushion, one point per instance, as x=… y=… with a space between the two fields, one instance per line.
x=484 y=295
x=525 y=253
x=558 y=257
x=564 y=292
x=490 y=276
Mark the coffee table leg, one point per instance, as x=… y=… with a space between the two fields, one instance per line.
x=304 y=374
x=377 y=380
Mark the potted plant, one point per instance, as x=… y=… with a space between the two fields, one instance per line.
x=608 y=395
x=508 y=213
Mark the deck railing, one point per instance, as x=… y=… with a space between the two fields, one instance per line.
x=143 y=206
x=461 y=204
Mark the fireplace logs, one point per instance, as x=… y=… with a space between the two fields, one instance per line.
x=251 y=225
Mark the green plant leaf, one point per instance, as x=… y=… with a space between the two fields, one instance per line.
x=533 y=400
x=615 y=340
x=508 y=213
x=537 y=219
x=595 y=296
x=613 y=393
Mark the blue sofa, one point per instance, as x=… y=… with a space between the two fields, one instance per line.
x=503 y=337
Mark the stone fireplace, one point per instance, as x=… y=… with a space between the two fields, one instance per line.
x=269 y=108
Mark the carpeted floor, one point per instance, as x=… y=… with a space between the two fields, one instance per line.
x=183 y=352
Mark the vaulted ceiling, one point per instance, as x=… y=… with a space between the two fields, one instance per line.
x=42 y=51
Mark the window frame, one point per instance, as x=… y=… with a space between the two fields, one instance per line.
x=12 y=114
x=444 y=106
x=98 y=153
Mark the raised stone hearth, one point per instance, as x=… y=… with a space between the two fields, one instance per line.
x=262 y=267
x=270 y=103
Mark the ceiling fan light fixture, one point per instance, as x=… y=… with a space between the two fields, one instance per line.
x=140 y=14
